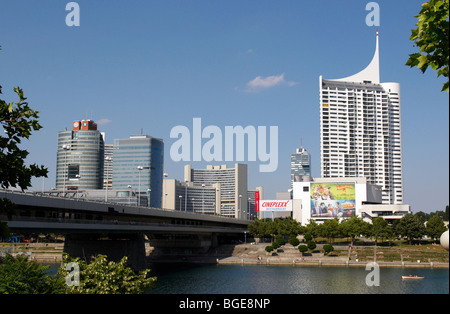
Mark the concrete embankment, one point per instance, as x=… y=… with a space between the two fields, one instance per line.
x=323 y=262
x=247 y=254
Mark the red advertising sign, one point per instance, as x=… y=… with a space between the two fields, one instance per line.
x=257 y=201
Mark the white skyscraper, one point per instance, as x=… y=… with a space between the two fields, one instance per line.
x=360 y=130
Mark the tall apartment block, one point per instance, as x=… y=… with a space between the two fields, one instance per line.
x=80 y=157
x=138 y=165
x=360 y=130
x=300 y=165
x=233 y=186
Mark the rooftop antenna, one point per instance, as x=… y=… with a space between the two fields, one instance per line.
x=301 y=142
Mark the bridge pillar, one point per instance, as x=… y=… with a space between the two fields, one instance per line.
x=115 y=247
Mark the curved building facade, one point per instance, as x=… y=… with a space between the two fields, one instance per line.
x=80 y=154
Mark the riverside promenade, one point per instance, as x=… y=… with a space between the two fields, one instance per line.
x=247 y=254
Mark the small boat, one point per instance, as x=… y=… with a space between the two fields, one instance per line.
x=412 y=277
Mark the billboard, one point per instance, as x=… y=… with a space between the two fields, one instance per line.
x=332 y=199
x=275 y=205
x=257 y=201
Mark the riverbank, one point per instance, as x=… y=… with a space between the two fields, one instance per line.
x=324 y=262
x=427 y=256
x=419 y=256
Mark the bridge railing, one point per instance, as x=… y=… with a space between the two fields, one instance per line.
x=135 y=207
x=106 y=222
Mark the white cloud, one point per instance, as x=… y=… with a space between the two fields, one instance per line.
x=103 y=121
x=259 y=83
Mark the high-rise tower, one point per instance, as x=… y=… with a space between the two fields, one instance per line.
x=300 y=165
x=79 y=161
x=138 y=164
x=360 y=130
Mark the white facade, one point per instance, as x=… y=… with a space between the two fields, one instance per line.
x=233 y=186
x=360 y=130
x=366 y=198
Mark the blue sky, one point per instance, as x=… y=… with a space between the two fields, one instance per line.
x=153 y=65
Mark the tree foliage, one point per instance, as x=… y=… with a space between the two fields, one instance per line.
x=411 y=227
x=18 y=121
x=380 y=229
x=20 y=276
x=431 y=35
x=435 y=227
x=101 y=276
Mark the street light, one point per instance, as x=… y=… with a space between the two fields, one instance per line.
x=107 y=181
x=140 y=168
x=185 y=194
x=180 y=197
x=66 y=148
x=240 y=204
x=203 y=198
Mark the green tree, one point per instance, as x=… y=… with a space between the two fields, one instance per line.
x=411 y=227
x=435 y=227
x=353 y=227
x=329 y=229
x=269 y=248
x=101 y=276
x=20 y=276
x=312 y=228
x=311 y=245
x=380 y=229
x=431 y=35
x=18 y=121
x=327 y=248
x=293 y=240
x=302 y=248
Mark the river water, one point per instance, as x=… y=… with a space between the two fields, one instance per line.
x=263 y=279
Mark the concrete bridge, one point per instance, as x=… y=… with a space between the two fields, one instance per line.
x=118 y=230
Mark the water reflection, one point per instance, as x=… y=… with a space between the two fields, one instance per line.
x=261 y=279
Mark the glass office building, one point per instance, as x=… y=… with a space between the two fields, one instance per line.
x=138 y=164
x=300 y=165
x=80 y=157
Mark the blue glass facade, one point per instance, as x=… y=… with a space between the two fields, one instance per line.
x=138 y=164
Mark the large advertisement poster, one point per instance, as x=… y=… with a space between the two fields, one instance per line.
x=332 y=199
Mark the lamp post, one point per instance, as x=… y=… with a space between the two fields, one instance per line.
x=240 y=205
x=107 y=181
x=140 y=168
x=180 y=197
x=66 y=148
x=203 y=198
x=185 y=194
x=139 y=189
x=148 y=197
x=129 y=194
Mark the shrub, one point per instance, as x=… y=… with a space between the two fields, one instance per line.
x=307 y=237
x=327 y=248
x=311 y=245
x=280 y=240
x=269 y=248
x=302 y=248
x=293 y=240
